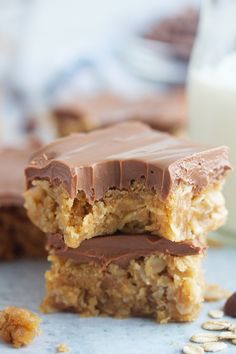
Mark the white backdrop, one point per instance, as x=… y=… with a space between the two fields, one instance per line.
x=46 y=37
x=58 y=31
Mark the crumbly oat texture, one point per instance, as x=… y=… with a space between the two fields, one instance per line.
x=18 y=236
x=183 y=215
x=164 y=287
x=18 y=326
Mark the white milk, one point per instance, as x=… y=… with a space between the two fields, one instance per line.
x=212 y=109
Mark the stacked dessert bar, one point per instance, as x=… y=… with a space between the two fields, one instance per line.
x=127 y=210
x=18 y=236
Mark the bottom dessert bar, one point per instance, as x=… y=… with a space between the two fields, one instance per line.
x=18 y=236
x=126 y=275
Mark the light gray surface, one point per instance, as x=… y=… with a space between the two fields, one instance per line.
x=21 y=284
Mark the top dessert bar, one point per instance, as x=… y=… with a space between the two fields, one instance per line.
x=126 y=178
x=165 y=112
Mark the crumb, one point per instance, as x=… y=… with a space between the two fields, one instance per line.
x=62 y=348
x=18 y=326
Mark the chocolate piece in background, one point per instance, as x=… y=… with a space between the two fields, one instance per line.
x=12 y=184
x=18 y=236
x=121 y=249
x=178 y=31
x=13 y=161
x=230 y=306
x=116 y=156
x=164 y=111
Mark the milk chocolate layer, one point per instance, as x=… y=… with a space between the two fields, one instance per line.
x=120 y=249
x=114 y=157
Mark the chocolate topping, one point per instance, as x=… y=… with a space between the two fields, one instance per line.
x=12 y=183
x=120 y=249
x=115 y=156
x=166 y=112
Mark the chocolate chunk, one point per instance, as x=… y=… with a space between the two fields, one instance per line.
x=121 y=248
x=115 y=156
x=230 y=306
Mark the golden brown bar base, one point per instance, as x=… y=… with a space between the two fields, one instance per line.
x=182 y=216
x=163 y=287
x=18 y=236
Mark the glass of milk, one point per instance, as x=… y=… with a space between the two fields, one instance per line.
x=212 y=88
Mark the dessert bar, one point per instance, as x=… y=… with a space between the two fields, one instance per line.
x=128 y=178
x=126 y=275
x=166 y=112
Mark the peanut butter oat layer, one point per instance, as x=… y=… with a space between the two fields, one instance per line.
x=126 y=275
x=126 y=178
x=18 y=236
x=166 y=112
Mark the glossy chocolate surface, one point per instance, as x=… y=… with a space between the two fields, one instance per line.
x=121 y=248
x=114 y=157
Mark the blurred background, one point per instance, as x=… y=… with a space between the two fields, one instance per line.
x=53 y=52
x=71 y=66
